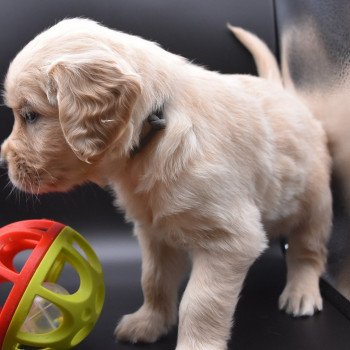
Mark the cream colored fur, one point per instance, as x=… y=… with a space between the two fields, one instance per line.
x=240 y=161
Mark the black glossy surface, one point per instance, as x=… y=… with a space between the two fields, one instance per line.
x=318 y=41
x=259 y=324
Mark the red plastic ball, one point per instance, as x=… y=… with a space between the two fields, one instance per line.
x=36 y=235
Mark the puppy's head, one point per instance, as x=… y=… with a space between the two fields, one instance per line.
x=72 y=97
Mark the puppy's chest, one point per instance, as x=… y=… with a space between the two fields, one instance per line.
x=137 y=206
x=147 y=207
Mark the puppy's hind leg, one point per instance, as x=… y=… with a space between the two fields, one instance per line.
x=162 y=270
x=306 y=259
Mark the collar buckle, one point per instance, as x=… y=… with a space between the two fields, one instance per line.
x=157 y=122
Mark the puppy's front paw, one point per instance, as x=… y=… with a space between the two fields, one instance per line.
x=299 y=301
x=143 y=326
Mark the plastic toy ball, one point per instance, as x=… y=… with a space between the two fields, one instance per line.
x=39 y=313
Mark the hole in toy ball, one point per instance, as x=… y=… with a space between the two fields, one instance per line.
x=44 y=316
x=87 y=253
x=21 y=258
x=5 y=289
x=69 y=279
x=80 y=250
x=86 y=314
x=82 y=334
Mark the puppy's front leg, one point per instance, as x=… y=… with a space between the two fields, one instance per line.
x=210 y=299
x=162 y=270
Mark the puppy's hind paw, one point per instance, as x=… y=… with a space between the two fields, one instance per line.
x=143 y=326
x=300 y=303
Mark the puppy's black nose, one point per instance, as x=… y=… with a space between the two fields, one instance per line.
x=3 y=163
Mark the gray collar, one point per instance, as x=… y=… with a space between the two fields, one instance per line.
x=156 y=122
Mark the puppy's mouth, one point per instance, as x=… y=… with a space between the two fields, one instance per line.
x=31 y=182
x=34 y=180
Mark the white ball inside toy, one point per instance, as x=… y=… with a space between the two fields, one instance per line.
x=44 y=316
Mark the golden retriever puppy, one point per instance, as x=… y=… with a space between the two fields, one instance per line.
x=239 y=161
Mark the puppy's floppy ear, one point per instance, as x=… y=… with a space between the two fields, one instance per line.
x=95 y=92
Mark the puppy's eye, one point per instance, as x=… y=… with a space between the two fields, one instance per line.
x=30 y=117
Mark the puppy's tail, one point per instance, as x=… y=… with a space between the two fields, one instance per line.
x=265 y=61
